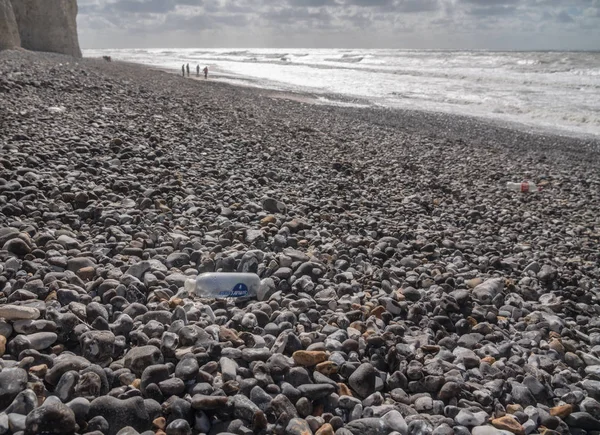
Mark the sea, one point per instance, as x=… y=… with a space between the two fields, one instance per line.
x=541 y=91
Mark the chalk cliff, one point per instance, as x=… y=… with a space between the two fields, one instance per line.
x=9 y=32
x=48 y=25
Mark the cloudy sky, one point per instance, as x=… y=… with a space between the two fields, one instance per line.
x=470 y=24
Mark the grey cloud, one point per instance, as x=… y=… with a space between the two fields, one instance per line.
x=490 y=3
x=311 y=3
x=493 y=10
x=376 y=22
x=564 y=17
x=144 y=6
x=370 y=3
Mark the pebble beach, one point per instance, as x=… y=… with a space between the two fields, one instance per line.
x=404 y=290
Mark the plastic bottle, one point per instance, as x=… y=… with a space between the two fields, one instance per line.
x=222 y=285
x=525 y=186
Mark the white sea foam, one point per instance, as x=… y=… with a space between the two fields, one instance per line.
x=543 y=90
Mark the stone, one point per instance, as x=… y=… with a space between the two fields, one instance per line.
x=363 y=380
x=2 y=345
x=52 y=417
x=395 y=422
x=244 y=408
x=37 y=341
x=121 y=413
x=64 y=363
x=138 y=358
x=328 y=368
x=469 y=418
x=24 y=403
x=583 y=420
x=18 y=312
x=98 y=423
x=179 y=427
x=326 y=429
x=562 y=411
x=98 y=346
x=486 y=430
x=208 y=403
x=298 y=426
x=316 y=391
x=273 y=206
x=509 y=424
x=309 y=358
x=9 y=32
x=12 y=382
x=153 y=374
x=17 y=246
x=45 y=26
x=488 y=290
x=368 y=426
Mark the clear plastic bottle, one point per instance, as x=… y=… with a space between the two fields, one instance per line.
x=222 y=285
x=525 y=186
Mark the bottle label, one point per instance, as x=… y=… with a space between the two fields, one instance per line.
x=525 y=187
x=238 y=291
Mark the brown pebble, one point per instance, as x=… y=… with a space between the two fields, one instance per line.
x=2 y=345
x=136 y=383
x=378 y=311
x=298 y=426
x=308 y=358
x=86 y=273
x=326 y=429
x=562 y=411
x=557 y=346
x=51 y=297
x=510 y=424
x=159 y=423
x=175 y=302
x=344 y=390
x=268 y=220
x=39 y=370
x=327 y=368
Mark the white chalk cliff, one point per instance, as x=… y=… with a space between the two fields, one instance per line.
x=9 y=32
x=44 y=25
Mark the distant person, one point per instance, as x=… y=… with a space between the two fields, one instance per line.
x=205 y=72
x=197 y=70
x=188 y=69
x=183 y=70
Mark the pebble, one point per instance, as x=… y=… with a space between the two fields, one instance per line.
x=53 y=416
x=18 y=312
x=394 y=297
x=363 y=380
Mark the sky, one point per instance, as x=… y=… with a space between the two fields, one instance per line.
x=411 y=24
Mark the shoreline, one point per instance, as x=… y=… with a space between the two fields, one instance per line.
x=435 y=118
x=402 y=283
x=434 y=124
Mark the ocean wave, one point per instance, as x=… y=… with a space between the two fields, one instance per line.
x=346 y=59
x=233 y=53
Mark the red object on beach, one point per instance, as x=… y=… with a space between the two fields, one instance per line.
x=525 y=187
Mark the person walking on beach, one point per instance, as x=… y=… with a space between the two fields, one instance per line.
x=188 y=69
x=197 y=70
x=183 y=70
x=205 y=72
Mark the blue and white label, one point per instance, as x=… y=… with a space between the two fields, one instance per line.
x=238 y=291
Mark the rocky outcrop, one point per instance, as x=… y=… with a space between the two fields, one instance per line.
x=9 y=33
x=48 y=25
